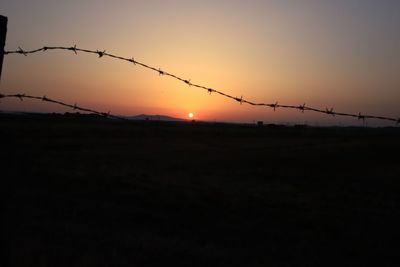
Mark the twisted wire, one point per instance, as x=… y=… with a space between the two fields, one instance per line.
x=72 y=106
x=241 y=100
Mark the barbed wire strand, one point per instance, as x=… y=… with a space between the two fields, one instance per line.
x=74 y=106
x=241 y=100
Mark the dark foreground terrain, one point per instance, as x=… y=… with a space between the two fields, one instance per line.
x=87 y=192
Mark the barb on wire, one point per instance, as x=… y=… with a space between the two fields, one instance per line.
x=73 y=48
x=103 y=53
x=274 y=106
x=21 y=51
x=74 y=106
x=240 y=100
x=302 y=108
x=330 y=112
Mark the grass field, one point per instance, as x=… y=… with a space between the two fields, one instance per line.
x=86 y=192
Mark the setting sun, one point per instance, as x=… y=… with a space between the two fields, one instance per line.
x=190 y=115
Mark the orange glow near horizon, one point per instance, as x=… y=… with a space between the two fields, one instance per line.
x=265 y=51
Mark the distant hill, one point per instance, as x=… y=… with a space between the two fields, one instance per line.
x=141 y=117
x=145 y=117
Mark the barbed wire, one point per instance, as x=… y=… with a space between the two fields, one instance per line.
x=241 y=100
x=74 y=106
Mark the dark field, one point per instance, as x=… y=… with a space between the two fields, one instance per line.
x=85 y=192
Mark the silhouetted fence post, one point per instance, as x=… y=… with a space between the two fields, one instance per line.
x=3 y=32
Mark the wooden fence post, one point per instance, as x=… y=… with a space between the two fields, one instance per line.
x=3 y=32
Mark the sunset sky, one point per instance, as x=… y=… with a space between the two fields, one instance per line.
x=343 y=54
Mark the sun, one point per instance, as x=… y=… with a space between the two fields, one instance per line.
x=191 y=115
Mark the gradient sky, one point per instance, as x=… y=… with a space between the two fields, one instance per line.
x=343 y=54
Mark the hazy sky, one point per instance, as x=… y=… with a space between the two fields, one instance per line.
x=343 y=54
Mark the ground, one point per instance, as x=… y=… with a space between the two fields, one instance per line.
x=94 y=192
